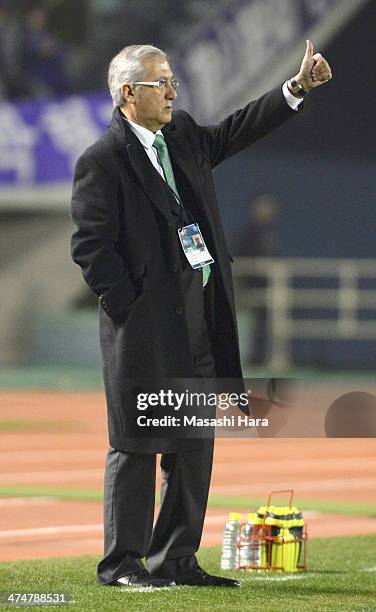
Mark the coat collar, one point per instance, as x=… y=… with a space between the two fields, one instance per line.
x=117 y=123
x=134 y=156
x=184 y=157
x=134 y=153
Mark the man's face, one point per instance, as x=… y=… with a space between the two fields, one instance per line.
x=150 y=106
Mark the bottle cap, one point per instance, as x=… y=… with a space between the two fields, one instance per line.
x=235 y=516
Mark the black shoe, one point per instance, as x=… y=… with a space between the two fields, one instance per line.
x=199 y=577
x=143 y=579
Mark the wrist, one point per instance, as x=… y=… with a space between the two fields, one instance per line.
x=297 y=87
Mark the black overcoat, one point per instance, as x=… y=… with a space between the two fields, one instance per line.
x=128 y=250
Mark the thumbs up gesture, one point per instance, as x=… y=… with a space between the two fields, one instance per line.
x=314 y=71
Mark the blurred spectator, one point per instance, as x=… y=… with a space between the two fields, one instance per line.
x=43 y=55
x=258 y=238
x=68 y=20
x=48 y=47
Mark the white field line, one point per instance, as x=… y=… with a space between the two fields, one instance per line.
x=7 y=502
x=336 y=484
x=98 y=527
x=20 y=533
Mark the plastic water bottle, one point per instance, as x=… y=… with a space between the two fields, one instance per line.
x=250 y=547
x=246 y=552
x=229 y=556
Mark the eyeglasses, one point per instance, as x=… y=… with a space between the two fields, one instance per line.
x=161 y=83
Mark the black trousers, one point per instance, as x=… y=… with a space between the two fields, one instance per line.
x=129 y=490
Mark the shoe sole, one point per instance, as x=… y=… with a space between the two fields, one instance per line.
x=145 y=589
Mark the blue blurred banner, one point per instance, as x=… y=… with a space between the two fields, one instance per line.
x=223 y=61
x=40 y=140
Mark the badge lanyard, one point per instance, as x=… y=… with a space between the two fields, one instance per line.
x=194 y=247
x=191 y=239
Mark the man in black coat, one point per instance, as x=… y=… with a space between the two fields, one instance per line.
x=146 y=179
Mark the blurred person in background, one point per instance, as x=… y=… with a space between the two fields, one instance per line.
x=148 y=178
x=44 y=48
x=43 y=55
x=258 y=237
x=49 y=47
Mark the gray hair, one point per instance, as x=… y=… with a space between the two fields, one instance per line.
x=127 y=67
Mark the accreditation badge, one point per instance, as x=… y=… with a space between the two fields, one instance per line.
x=194 y=246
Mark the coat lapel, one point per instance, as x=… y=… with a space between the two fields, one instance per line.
x=135 y=157
x=180 y=155
x=183 y=157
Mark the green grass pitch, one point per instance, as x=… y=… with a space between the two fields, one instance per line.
x=341 y=577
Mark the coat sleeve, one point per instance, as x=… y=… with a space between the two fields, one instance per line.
x=95 y=213
x=245 y=126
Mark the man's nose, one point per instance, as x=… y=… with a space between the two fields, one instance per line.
x=170 y=92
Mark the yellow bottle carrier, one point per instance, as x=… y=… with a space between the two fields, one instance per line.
x=272 y=539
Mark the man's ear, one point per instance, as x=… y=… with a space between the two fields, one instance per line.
x=128 y=93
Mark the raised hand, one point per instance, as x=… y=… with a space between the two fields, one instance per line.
x=314 y=71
